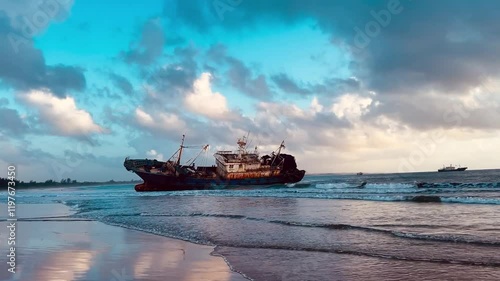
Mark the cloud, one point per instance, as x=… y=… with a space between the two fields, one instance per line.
x=177 y=76
x=433 y=110
x=202 y=100
x=146 y=49
x=287 y=85
x=11 y=124
x=239 y=75
x=23 y=66
x=62 y=78
x=351 y=106
x=315 y=125
x=172 y=77
x=418 y=69
x=159 y=122
x=330 y=86
x=452 y=51
x=122 y=83
x=62 y=115
x=242 y=78
x=155 y=155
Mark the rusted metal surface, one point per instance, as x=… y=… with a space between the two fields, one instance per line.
x=246 y=175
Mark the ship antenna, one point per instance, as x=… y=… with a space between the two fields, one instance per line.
x=180 y=150
x=249 y=141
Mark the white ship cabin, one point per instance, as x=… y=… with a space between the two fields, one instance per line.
x=240 y=161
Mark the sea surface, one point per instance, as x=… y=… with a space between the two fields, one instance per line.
x=327 y=227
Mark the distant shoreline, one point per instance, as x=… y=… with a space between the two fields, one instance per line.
x=54 y=184
x=389 y=173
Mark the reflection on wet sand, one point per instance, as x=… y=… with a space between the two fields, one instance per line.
x=69 y=250
x=66 y=265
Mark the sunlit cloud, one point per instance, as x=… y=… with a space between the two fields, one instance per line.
x=202 y=100
x=62 y=114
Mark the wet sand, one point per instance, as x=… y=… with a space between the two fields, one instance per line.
x=52 y=246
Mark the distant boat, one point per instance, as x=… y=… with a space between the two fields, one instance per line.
x=452 y=168
x=359 y=174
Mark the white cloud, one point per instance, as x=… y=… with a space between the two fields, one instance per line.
x=351 y=106
x=316 y=106
x=143 y=118
x=62 y=114
x=205 y=102
x=167 y=122
x=154 y=154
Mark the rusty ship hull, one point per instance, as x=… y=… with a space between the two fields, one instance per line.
x=159 y=182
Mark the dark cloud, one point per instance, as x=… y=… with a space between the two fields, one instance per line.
x=286 y=84
x=239 y=75
x=170 y=78
x=445 y=45
x=61 y=78
x=335 y=86
x=328 y=87
x=146 y=49
x=122 y=83
x=174 y=78
x=203 y=15
x=23 y=66
x=242 y=78
x=11 y=123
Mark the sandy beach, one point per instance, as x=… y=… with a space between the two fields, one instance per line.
x=52 y=246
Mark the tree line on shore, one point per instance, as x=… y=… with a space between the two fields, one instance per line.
x=4 y=182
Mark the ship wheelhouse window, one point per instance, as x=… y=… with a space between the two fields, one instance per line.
x=231 y=166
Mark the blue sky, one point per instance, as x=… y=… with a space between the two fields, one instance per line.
x=95 y=82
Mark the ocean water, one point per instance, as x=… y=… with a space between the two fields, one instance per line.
x=323 y=228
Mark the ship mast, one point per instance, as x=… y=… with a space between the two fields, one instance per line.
x=282 y=145
x=242 y=144
x=180 y=150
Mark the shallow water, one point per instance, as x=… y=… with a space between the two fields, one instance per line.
x=324 y=228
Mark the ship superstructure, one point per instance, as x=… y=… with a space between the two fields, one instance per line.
x=452 y=168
